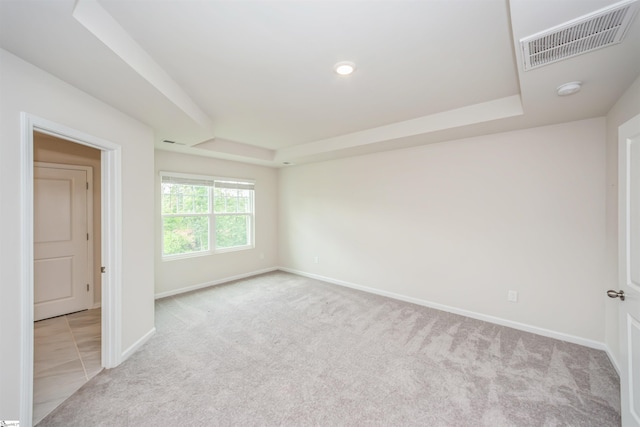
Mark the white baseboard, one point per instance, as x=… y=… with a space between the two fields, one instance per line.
x=213 y=283
x=479 y=316
x=136 y=345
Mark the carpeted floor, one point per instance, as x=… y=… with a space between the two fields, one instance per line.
x=280 y=349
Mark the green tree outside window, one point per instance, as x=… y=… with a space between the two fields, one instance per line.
x=192 y=207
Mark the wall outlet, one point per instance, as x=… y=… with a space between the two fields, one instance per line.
x=316 y=259
x=512 y=296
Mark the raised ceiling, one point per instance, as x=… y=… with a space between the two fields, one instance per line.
x=254 y=80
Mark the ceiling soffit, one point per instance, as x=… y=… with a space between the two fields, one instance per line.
x=346 y=117
x=253 y=81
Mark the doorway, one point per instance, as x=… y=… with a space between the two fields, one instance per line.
x=110 y=248
x=70 y=171
x=67 y=256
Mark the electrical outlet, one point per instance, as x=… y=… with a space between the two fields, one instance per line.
x=316 y=260
x=512 y=296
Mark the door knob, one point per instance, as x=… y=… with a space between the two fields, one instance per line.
x=616 y=294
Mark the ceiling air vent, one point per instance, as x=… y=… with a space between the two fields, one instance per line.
x=602 y=28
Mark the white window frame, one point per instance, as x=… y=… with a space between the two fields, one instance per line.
x=209 y=181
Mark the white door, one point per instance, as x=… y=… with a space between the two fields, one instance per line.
x=60 y=232
x=629 y=277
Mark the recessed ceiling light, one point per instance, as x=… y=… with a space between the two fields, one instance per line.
x=344 y=68
x=569 y=88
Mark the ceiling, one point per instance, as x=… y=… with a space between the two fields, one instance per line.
x=254 y=81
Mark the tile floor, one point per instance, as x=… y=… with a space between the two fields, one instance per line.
x=67 y=353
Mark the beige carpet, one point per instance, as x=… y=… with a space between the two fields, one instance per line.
x=280 y=349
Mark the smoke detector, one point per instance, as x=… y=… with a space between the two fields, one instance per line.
x=602 y=28
x=569 y=88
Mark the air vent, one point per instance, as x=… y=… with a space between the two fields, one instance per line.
x=602 y=28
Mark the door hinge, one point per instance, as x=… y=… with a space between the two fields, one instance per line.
x=103 y=269
x=87 y=236
x=87 y=287
x=87 y=185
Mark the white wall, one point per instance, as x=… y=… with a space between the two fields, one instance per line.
x=25 y=88
x=462 y=222
x=627 y=107
x=172 y=276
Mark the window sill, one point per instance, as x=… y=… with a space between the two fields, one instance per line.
x=186 y=256
x=234 y=249
x=206 y=253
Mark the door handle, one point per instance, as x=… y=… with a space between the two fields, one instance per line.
x=616 y=294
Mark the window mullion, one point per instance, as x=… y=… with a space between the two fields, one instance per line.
x=212 y=219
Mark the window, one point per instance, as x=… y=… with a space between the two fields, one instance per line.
x=201 y=215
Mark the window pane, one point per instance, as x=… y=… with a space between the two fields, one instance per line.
x=242 y=205
x=242 y=200
x=218 y=200
x=231 y=200
x=231 y=204
x=232 y=230
x=184 y=235
x=221 y=198
x=178 y=198
x=202 y=202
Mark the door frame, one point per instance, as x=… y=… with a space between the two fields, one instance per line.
x=111 y=165
x=90 y=264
